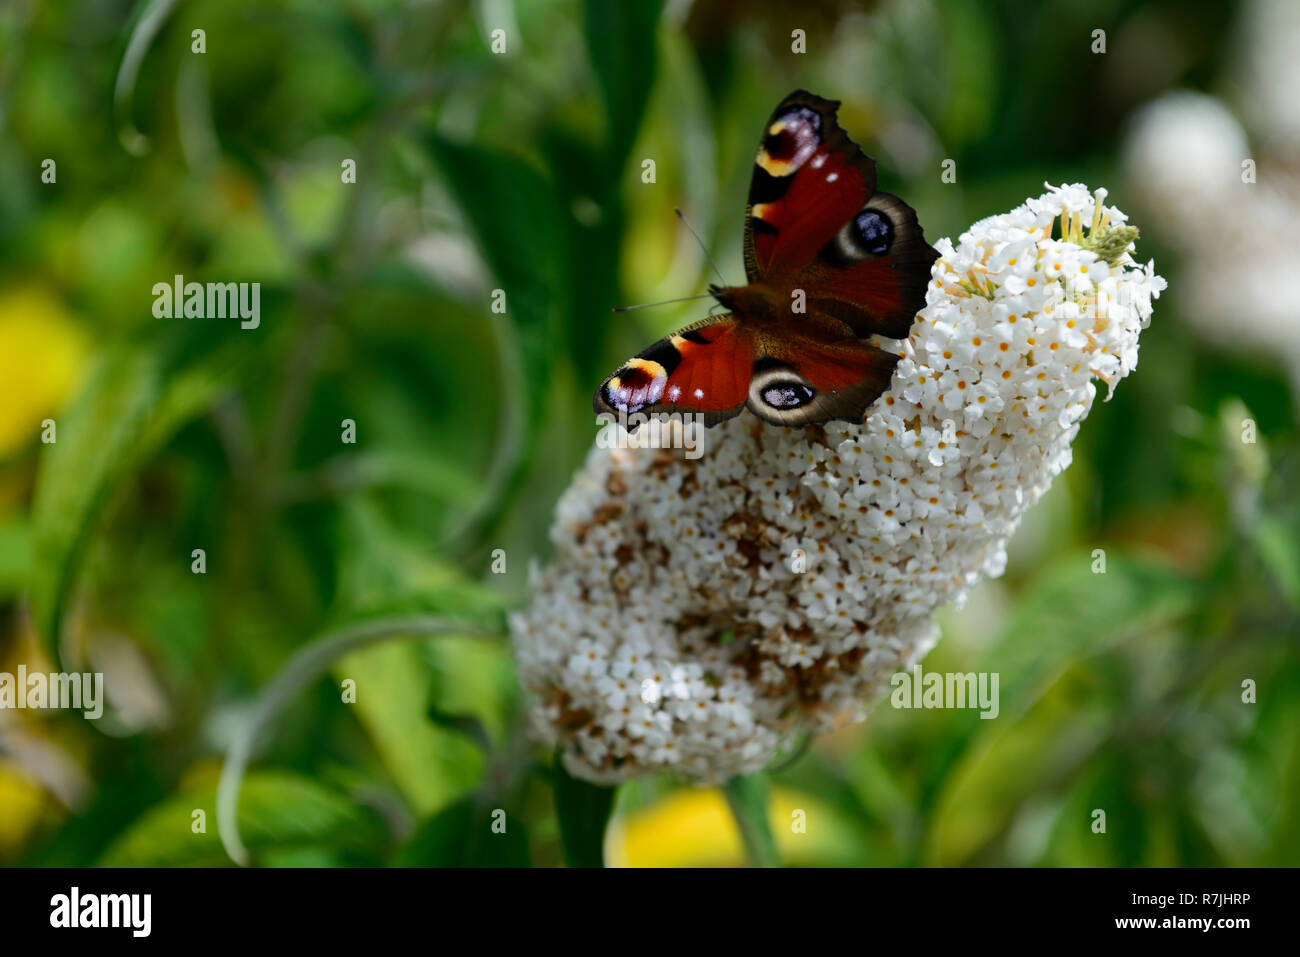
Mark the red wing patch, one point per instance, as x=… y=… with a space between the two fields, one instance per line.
x=809 y=179
x=703 y=368
x=817 y=373
x=873 y=274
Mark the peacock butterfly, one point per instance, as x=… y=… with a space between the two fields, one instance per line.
x=829 y=260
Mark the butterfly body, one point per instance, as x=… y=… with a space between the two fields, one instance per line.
x=830 y=261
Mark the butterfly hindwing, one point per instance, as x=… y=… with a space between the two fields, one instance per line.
x=873 y=273
x=704 y=368
x=815 y=371
x=794 y=374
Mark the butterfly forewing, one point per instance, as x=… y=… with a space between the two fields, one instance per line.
x=808 y=179
x=704 y=368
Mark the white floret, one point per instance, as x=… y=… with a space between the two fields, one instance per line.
x=699 y=612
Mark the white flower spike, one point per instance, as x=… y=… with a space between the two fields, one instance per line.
x=697 y=613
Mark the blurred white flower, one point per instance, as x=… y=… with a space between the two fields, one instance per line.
x=892 y=518
x=1184 y=155
x=1269 y=64
x=1186 y=150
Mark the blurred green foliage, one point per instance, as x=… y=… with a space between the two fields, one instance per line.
x=520 y=171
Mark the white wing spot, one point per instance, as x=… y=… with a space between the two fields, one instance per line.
x=699 y=393
x=832 y=177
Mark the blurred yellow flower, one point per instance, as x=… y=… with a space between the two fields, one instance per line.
x=42 y=361
x=694 y=827
x=21 y=804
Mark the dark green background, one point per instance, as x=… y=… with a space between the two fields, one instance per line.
x=522 y=171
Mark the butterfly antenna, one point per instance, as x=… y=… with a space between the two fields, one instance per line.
x=647 y=305
x=691 y=229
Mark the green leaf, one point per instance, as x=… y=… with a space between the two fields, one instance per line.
x=970 y=37
x=467 y=834
x=1284 y=765
x=621 y=44
x=433 y=761
x=512 y=213
x=1277 y=539
x=747 y=797
x=467 y=724
x=15 y=554
x=94 y=443
x=277 y=811
x=305 y=666
x=1006 y=765
x=583 y=810
x=381 y=573
x=993 y=767
x=432 y=764
x=1070 y=611
x=134 y=400
x=583 y=180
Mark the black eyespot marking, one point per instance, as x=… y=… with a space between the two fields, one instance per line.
x=875 y=233
x=778 y=390
x=798 y=126
x=803 y=114
x=787 y=395
x=868 y=235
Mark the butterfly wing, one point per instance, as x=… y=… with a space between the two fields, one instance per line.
x=815 y=370
x=815 y=221
x=809 y=179
x=704 y=368
x=873 y=273
x=795 y=373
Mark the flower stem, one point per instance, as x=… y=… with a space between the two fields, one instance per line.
x=306 y=665
x=747 y=797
